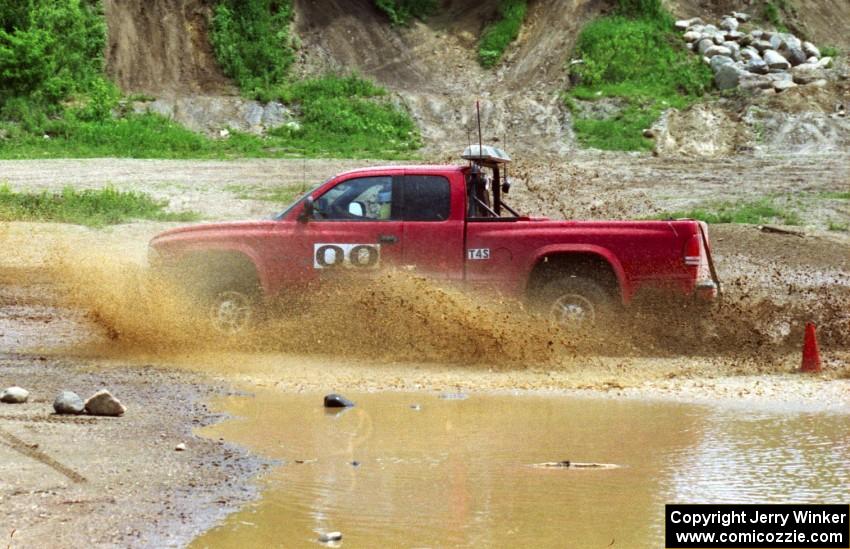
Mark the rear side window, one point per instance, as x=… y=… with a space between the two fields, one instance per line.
x=426 y=198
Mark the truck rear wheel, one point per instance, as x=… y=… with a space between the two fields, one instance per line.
x=575 y=302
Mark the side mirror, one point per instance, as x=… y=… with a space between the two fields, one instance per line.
x=356 y=209
x=307 y=212
x=506 y=186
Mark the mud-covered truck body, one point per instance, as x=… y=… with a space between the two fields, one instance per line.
x=444 y=222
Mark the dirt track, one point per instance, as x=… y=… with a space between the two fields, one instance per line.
x=775 y=282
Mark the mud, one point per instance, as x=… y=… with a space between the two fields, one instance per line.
x=106 y=482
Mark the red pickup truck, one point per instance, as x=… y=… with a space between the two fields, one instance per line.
x=445 y=222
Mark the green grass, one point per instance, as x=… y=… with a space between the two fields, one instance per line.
x=836 y=195
x=401 y=12
x=93 y=208
x=643 y=64
x=341 y=117
x=278 y=194
x=765 y=210
x=830 y=51
x=498 y=35
x=833 y=225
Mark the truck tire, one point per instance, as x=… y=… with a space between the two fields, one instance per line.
x=232 y=310
x=575 y=302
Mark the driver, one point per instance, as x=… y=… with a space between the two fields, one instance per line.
x=385 y=196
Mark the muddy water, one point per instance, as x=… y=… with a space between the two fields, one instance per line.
x=433 y=472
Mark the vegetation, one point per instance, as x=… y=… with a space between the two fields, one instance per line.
x=94 y=208
x=774 y=12
x=499 y=34
x=252 y=42
x=635 y=58
x=829 y=51
x=401 y=12
x=765 y=210
x=833 y=225
x=837 y=195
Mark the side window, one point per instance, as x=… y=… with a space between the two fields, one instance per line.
x=364 y=199
x=426 y=198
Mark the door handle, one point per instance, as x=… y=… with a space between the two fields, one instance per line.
x=387 y=239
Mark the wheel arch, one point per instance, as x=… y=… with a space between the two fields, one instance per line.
x=225 y=263
x=592 y=262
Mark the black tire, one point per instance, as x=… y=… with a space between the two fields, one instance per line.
x=575 y=302
x=232 y=311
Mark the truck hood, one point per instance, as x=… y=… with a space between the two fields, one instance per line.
x=204 y=231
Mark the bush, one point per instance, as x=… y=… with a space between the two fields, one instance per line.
x=51 y=50
x=252 y=42
x=640 y=61
x=401 y=12
x=498 y=35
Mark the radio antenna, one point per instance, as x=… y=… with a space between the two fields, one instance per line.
x=478 y=114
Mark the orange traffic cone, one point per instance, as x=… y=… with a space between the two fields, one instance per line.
x=811 y=353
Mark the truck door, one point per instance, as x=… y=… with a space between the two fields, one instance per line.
x=356 y=226
x=433 y=225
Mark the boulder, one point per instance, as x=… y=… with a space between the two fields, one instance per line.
x=180 y=447
x=811 y=50
x=729 y=23
x=14 y=395
x=807 y=73
x=717 y=50
x=756 y=34
x=334 y=400
x=761 y=45
x=782 y=40
x=703 y=45
x=692 y=36
x=683 y=24
x=794 y=56
x=734 y=48
x=825 y=62
x=735 y=36
x=68 y=402
x=783 y=85
x=728 y=77
x=102 y=403
x=741 y=16
x=750 y=54
x=757 y=66
x=753 y=82
x=719 y=61
x=718 y=38
x=813 y=60
x=775 y=61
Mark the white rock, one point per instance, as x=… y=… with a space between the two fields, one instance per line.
x=811 y=50
x=703 y=45
x=757 y=66
x=717 y=50
x=14 y=395
x=783 y=85
x=691 y=36
x=750 y=54
x=68 y=402
x=729 y=23
x=825 y=62
x=741 y=16
x=818 y=83
x=727 y=77
x=761 y=45
x=812 y=60
x=719 y=61
x=328 y=537
x=102 y=403
x=775 y=61
x=180 y=447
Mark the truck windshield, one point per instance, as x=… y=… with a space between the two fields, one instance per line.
x=299 y=200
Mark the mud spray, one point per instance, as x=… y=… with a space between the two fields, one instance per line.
x=396 y=316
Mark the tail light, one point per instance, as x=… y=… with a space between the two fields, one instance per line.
x=695 y=256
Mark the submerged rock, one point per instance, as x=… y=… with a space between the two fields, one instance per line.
x=102 y=403
x=14 y=395
x=328 y=537
x=68 y=402
x=334 y=400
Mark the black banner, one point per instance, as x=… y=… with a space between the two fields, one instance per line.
x=757 y=526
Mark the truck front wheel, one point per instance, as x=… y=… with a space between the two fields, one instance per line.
x=232 y=311
x=573 y=301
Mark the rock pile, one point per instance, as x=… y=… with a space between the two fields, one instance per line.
x=757 y=60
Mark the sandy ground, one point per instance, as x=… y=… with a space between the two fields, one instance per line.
x=137 y=491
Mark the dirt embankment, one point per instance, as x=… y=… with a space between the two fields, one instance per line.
x=162 y=47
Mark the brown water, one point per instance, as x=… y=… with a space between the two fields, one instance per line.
x=458 y=473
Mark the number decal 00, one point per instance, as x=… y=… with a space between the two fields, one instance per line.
x=321 y=256
x=359 y=256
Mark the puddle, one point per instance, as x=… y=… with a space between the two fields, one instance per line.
x=462 y=473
